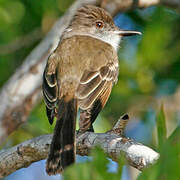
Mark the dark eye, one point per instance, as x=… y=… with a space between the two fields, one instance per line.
x=99 y=24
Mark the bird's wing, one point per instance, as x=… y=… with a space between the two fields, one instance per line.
x=96 y=85
x=49 y=87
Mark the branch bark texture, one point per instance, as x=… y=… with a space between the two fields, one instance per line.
x=24 y=154
x=23 y=90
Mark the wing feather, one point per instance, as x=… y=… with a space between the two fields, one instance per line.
x=50 y=88
x=88 y=76
x=89 y=100
x=86 y=89
x=93 y=84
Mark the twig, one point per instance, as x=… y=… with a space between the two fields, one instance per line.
x=120 y=125
x=24 y=154
x=124 y=5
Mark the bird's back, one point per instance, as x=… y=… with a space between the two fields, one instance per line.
x=78 y=54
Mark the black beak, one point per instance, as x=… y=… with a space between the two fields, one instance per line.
x=127 y=33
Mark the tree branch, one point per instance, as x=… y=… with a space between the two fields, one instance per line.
x=23 y=90
x=113 y=144
x=115 y=6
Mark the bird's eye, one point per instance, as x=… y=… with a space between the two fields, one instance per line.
x=99 y=24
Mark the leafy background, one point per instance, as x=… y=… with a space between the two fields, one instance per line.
x=149 y=77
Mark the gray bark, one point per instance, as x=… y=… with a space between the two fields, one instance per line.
x=36 y=149
x=23 y=90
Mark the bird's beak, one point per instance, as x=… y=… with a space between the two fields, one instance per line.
x=127 y=33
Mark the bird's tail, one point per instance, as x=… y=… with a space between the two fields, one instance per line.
x=62 y=149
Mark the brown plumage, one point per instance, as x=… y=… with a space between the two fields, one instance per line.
x=79 y=74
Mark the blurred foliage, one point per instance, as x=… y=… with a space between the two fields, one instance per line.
x=19 y=18
x=97 y=169
x=167 y=166
x=149 y=70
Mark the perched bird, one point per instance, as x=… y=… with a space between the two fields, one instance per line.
x=80 y=74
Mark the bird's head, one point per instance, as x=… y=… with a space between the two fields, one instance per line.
x=96 y=22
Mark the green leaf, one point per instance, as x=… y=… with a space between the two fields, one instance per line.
x=167 y=166
x=93 y=170
x=121 y=162
x=161 y=126
x=97 y=169
x=175 y=136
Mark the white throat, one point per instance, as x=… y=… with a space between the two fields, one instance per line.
x=110 y=38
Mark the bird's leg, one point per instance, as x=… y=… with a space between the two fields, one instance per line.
x=85 y=122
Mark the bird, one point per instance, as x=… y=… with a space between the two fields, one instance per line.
x=79 y=75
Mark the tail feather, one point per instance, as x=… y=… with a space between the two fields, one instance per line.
x=62 y=149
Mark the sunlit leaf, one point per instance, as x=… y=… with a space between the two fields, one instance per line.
x=161 y=126
x=167 y=167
